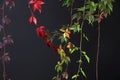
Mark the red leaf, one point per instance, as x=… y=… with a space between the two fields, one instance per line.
x=32 y=1
x=49 y=43
x=55 y=48
x=36 y=5
x=45 y=37
x=37 y=31
x=33 y=19
x=30 y=19
x=42 y=27
x=40 y=31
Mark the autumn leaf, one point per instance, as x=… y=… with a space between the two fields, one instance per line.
x=70 y=45
x=42 y=33
x=55 y=48
x=33 y=19
x=10 y=3
x=7 y=40
x=6 y=20
x=66 y=33
x=45 y=37
x=49 y=43
x=36 y=5
x=40 y=30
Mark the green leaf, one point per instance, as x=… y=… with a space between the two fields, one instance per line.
x=72 y=50
x=77 y=16
x=83 y=73
x=54 y=78
x=91 y=6
x=75 y=76
x=67 y=3
x=74 y=16
x=75 y=27
x=79 y=61
x=58 y=68
x=110 y=6
x=85 y=37
x=86 y=56
x=63 y=39
x=82 y=9
x=91 y=19
x=66 y=60
x=78 y=28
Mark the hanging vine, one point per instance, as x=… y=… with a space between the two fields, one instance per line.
x=105 y=7
x=6 y=39
x=87 y=12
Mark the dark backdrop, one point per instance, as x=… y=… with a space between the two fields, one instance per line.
x=32 y=60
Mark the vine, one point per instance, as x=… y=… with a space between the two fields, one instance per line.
x=87 y=12
x=6 y=39
x=105 y=7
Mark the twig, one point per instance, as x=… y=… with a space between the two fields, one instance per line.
x=98 y=52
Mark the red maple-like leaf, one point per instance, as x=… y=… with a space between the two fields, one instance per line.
x=42 y=33
x=33 y=19
x=36 y=5
x=55 y=48
x=49 y=43
x=45 y=37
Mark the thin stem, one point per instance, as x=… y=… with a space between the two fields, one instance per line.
x=98 y=51
x=98 y=47
x=71 y=11
x=81 y=41
x=81 y=37
x=4 y=70
x=32 y=13
x=4 y=49
x=30 y=10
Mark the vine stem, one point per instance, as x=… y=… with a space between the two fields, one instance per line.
x=80 y=48
x=4 y=70
x=98 y=48
x=32 y=13
x=98 y=51
x=4 y=49
x=81 y=40
x=71 y=11
x=30 y=10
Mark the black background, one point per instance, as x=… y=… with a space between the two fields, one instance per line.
x=32 y=60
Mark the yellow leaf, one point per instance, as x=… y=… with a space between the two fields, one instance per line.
x=70 y=45
x=62 y=30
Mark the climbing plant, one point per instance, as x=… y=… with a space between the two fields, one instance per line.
x=5 y=39
x=87 y=12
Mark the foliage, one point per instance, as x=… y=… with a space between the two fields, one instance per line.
x=6 y=39
x=88 y=12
